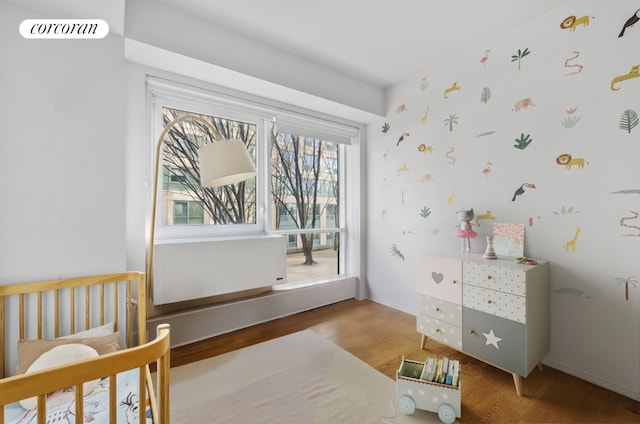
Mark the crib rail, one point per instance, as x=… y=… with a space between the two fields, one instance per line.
x=13 y=389
x=66 y=306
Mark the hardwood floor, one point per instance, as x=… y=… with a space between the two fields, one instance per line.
x=380 y=335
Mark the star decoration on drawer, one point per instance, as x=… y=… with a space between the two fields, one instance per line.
x=492 y=339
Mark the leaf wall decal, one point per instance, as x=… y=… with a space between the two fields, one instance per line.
x=629 y=120
x=485 y=95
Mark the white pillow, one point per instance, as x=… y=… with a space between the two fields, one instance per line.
x=61 y=355
x=103 y=330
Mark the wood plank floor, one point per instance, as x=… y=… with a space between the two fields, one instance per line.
x=380 y=335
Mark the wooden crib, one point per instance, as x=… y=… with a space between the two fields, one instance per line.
x=102 y=312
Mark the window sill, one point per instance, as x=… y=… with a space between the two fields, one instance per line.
x=310 y=283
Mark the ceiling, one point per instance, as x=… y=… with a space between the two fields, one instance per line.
x=381 y=42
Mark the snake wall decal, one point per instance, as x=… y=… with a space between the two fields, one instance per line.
x=634 y=216
x=566 y=64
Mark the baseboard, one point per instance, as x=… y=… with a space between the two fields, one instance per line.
x=624 y=391
x=203 y=323
x=393 y=305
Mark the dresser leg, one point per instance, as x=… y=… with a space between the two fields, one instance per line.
x=518 y=382
x=423 y=342
x=540 y=366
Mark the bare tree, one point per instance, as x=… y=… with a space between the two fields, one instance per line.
x=297 y=167
x=230 y=204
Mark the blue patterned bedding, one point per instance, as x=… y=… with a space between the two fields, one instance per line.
x=61 y=404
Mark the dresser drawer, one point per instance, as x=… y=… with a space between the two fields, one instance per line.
x=439 y=277
x=495 y=302
x=439 y=330
x=439 y=309
x=495 y=340
x=505 y=279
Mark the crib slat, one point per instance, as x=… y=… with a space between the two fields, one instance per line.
x=142 y=393
x=112 y=400
x=163 y=388
x=72 y=299
x=129 y=317
x=142 y=314
x=21 y=312
x=79 y=404
x=116 y=327
x=56 y=312
x=39 y=315
x=42 y=409
x=87 y=311
x=102 y=300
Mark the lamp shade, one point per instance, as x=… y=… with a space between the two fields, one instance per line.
x=224 y=162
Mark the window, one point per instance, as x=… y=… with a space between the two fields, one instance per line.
x=187 y=213
x=306 y=183
x=233 y=204
x=228 y=210
x=297 y=193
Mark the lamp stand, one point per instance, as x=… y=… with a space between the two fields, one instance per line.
x=166 y=129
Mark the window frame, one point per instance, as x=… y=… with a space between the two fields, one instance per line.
x=238 y=105
x=305 y=127
x=214 y=107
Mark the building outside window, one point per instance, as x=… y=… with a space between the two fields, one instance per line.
x=187 y=213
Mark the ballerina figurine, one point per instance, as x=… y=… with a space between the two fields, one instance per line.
x=465 y=232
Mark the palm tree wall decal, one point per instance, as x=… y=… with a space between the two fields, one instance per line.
x=521 y=54
x=626 y=282
x=452 y=119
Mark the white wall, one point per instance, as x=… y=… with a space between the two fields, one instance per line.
x=62 y=151
x=146 y=22
x=595 y=330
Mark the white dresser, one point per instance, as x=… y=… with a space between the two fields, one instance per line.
x=494 y=310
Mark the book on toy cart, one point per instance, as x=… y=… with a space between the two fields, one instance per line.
x=432 y=385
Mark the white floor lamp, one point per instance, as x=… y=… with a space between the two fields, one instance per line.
x=221 y=163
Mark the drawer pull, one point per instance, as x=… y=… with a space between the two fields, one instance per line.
x=437 y=330
x=489 y=302
x=437 y=309
x=454 y=282
x=471 y=331
x=489 y=277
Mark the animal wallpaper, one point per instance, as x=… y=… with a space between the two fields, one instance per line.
x=536 y=127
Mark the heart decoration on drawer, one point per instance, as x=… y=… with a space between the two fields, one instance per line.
x=437 y=277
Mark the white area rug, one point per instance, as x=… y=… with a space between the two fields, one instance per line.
x=299 y=378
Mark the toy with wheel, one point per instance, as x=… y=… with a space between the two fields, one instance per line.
x=413 y=392
x=407 y=405
x=446 y=413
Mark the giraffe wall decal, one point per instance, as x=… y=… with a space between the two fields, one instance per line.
x=452 y=197
x=572 y=243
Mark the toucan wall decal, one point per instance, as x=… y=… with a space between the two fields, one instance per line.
x=520 y=191
x=630 y=22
